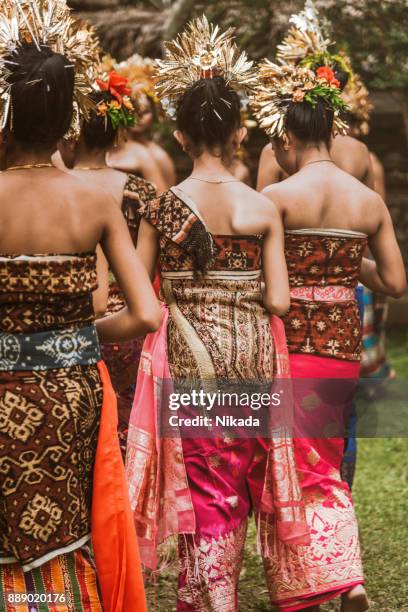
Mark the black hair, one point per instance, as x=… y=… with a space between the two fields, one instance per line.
x=42 y=87
x=341 y=75
x=98 y=132
x=310 y=124
x=208 y=114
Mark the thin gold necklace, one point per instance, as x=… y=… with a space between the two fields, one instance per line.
x=91 y=167
x=29 y=166
x=318 y=161
x=216 y=182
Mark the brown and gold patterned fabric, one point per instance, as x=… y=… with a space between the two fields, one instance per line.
x=218 y=326
x=122 y=359
x=323 y=259
x=49 y=418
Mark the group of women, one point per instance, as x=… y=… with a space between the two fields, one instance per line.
x=251 y=287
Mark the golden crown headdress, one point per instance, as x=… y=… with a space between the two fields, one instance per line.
x=48 y=23
x=201 y=51
x=356 y=96
x=280 y=85
x=307 y=43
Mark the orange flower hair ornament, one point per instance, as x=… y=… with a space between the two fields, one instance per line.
x=306 y=43
x=120 y=111
x=279 y=86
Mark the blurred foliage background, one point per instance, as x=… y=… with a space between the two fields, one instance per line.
x=374 y=33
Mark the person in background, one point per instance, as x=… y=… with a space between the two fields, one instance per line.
x=98 y=135
x=217 y=327
x=374 y=362
x=57 y=407
x=329 y=218
x=136 y=150
x=307 y=44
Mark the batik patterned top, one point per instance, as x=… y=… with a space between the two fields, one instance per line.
x=137 y=193
x=218 y=327
x=330 y=261
x=48 y=419
x=122 y=359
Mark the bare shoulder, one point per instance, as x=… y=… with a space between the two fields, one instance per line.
x=88 y=194
x=376 y=164
x=348 y=143
x=282 y=190
x=267 y=151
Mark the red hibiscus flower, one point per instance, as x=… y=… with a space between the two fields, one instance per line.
x=326 y=73
x=116 y=85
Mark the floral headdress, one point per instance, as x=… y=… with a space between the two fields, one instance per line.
x=139 y=71
x=356 y=96
x=48 y=23
x=279 y=86
x=120 y=110
x=201 y=51
x=307 y=44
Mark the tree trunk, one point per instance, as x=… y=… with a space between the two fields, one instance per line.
x=402 y=97
x=177 y=17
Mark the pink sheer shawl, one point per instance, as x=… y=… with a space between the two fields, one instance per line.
x=158 y=486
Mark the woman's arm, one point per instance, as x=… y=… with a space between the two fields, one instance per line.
x=100 y=296
x=142 y=313
x=386 y=274
x=276 y=295
x=148 y=247
x=150 y=169
x=269 y=171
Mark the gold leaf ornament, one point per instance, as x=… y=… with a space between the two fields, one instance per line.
x=48 y=23
x=201 y=51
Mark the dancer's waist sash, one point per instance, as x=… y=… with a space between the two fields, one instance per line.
x=49 y=350
x=328 y=293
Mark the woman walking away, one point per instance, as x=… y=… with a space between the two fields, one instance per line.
x=217 y=328
x=329 y=217
x=99 y=132
x=57 y=408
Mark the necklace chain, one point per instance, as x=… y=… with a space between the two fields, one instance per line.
x=92 y=168
x=318 y=161
x=214 y=182
x=29 y=166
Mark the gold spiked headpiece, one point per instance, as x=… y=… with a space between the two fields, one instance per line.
x=307 y=43
x=201 y=51
x=356 y=96
x=48 y=23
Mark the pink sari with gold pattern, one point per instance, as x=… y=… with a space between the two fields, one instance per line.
x=324 y=339
x=203 y=490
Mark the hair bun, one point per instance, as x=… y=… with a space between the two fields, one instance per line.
x=208 y=114
x=46 y=79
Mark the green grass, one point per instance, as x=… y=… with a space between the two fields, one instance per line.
x=381 y=499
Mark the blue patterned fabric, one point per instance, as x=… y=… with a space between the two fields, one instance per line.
x=49 y=350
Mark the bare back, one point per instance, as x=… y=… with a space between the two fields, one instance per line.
x=135 y=157
x=353 y=157
x=49 y=211
x=229 y=208
x=324 y=196
x=110 y=180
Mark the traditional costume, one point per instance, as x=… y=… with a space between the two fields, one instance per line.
x=123 y=359
x=215 y=328
x=62 y=479
x=324 y=342
x=374 y=362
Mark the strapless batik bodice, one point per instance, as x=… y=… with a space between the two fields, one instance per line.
x=324 y=266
